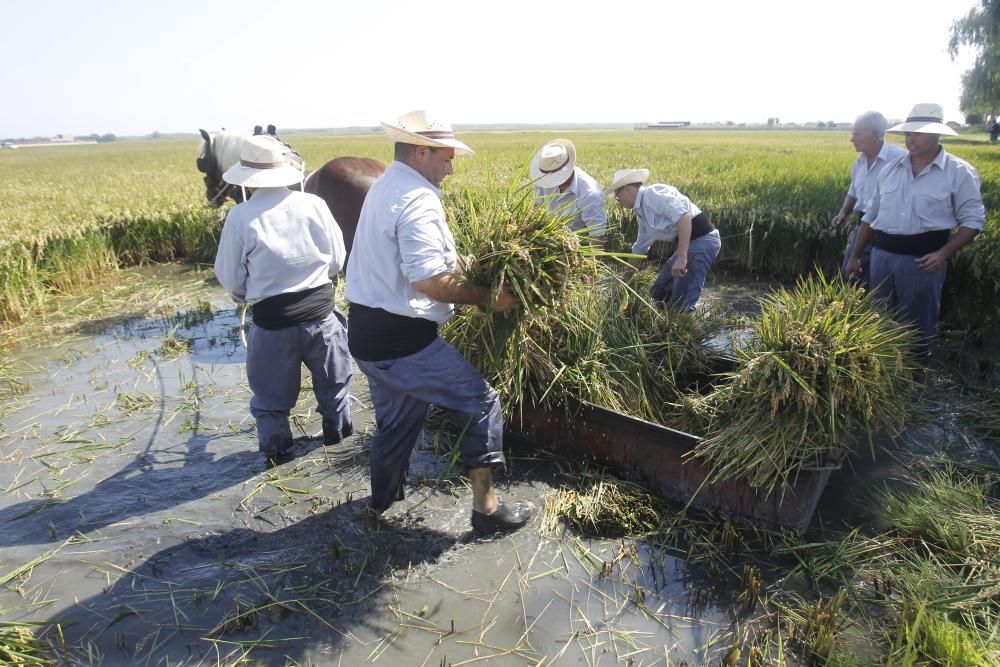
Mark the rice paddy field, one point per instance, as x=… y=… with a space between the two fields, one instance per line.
x=139 y=526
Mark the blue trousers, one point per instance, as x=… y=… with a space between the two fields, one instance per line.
x=913 y=293
x=402 y=389
x=274 y=371
x=682 y=293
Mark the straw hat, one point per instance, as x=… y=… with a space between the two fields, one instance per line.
x=553 y=164
x=627 y=177
x=925 y=119
x=420 y=128
x=265 y=162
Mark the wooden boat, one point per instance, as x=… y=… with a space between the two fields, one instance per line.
x=653 y=457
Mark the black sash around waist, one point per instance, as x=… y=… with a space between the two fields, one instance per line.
x=914 y=245
x=288 y=310
x=700 y=225
x=374 y=334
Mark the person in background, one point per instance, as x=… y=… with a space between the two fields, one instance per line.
x=868 y=137
x=918 y=201
x=403 y=280
x=569 y=190
x=666 y=214
x=278 y=253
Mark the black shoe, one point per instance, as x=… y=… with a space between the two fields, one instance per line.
x=332 y=435
x=274 y=460
x=505 y=519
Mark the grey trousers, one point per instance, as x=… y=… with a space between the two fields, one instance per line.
x=866 y=261
x=913 y=293
x=274 y=370
x=682 y=293
x=402 y=389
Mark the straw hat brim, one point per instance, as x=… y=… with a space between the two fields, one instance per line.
x=631 y=176
x=399 y=135
x=553 y=179
x=923 y=127
x=262 y=178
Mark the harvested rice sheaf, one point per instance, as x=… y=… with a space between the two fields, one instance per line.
x=20 y=646
x=824 y=363
x=601 y=506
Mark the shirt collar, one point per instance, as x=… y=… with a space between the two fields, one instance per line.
x=883 y=153
x=410 y=171
x=638 y=197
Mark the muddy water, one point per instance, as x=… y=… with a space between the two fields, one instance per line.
x=152 y=531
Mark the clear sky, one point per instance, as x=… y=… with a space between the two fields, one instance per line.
x=133 y=67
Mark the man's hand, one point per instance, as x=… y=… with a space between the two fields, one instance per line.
x=932 y=261
x=680 y=267
x=839 y=219
x=854 y=267
x=506 y=301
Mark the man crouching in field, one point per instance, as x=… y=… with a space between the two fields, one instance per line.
x=666 y=214
x=278 y=253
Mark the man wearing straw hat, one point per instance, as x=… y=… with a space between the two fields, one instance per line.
x=918 y=200
x=666 y=214
x=402 y=284
x=278 y=252
x=868 y=137
x=569 y=190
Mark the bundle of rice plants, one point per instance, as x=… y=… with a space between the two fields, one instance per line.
x=823 y=363
x=599 y=505
x=20 y=646
x=514 y=243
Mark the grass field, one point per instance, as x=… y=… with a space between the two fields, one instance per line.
x=67 y=213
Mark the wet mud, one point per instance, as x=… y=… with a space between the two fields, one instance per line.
x=138 y=515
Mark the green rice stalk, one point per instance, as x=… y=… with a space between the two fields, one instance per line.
x=824 y=363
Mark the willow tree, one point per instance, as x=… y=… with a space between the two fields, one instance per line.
x=980 y=31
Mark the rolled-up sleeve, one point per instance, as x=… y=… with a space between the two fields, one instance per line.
x=423 y=250
x=968 y=202
x=231 y=257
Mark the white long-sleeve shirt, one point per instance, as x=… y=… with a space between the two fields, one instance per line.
x=402 y=238
x=944 y=195
x=582 y=202
x=863 y=177
x=278 y=242
x=658 y=208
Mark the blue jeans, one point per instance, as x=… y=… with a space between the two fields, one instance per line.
x=682 y=293
x=402 y=389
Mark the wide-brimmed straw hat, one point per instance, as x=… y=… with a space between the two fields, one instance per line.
x=624 y=177
x=924 y=119
x=420 y=128
x=553 y=164
x=265 y=162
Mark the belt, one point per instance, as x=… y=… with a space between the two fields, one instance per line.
x=700 y=226
x=914 y=245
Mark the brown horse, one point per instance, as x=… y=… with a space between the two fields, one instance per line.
x=342 y=182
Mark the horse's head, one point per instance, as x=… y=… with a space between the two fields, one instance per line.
x=218 y=153
x=216 y=189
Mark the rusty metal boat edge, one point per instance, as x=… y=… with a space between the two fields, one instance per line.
x=653 y=457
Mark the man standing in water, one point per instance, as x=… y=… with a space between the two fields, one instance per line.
x=278 y=252
x=402 y=283
x=868 y=137
x=918 y=201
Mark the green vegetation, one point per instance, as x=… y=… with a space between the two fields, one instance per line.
x=69 y=213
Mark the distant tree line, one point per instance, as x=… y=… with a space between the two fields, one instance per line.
x=110 y=136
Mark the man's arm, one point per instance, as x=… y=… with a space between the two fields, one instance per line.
x=845 y=211
x=865 y=235
x=449 y=287
x=935 y=260
x=679 y=269
x=230 y=267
